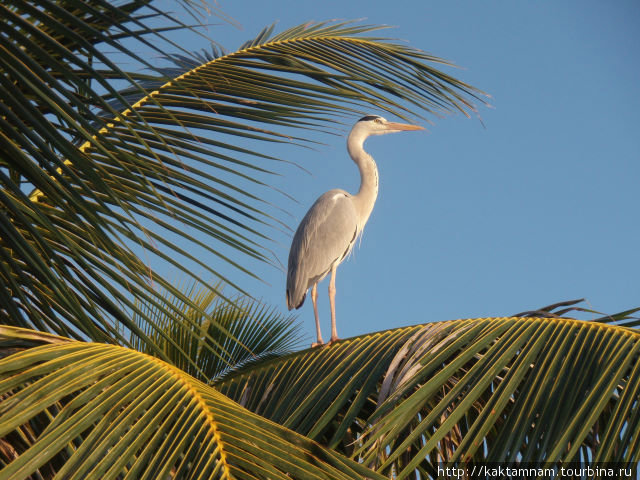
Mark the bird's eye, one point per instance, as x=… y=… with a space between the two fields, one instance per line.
x=377 y=120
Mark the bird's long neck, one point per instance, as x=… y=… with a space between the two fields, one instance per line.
x=365 y=199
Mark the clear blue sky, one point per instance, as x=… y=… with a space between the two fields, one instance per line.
x=539 y=205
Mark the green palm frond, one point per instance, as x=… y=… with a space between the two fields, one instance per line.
x=245 y=331
x=108 y=175
x=495 y=389
x=60 y=259
x=571 y=309
x=81 y=410
x=625 y=318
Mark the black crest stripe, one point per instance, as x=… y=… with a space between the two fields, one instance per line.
x=368 y=118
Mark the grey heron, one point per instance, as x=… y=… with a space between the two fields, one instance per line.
x=334 y=222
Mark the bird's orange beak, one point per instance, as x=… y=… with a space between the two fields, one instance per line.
x=402 y=126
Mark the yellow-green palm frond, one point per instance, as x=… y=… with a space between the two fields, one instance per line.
x=496 y=389
x=85 y=410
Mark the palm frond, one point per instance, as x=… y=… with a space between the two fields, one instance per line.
x=571 y=309
x=100 y=184
x=494 y=389
x=246 y=331
x=84 y=410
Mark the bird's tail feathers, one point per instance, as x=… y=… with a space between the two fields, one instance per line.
x=291 y=304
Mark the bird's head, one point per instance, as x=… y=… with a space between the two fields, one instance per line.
x=373 y=125
x=377 y=125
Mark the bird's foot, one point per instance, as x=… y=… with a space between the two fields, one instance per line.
x=319 y=343
x=332 y=340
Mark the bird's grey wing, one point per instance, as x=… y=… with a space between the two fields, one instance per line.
x=325 y=236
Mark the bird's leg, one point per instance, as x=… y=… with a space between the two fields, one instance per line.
x=332 y=302
x=314 y=299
